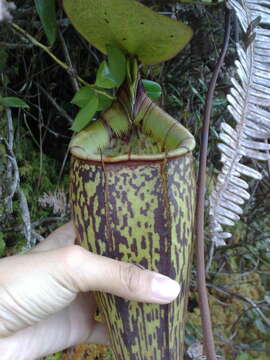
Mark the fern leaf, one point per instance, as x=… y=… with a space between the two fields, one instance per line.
x=249 y=105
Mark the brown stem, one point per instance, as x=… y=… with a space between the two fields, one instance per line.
x=208 y=339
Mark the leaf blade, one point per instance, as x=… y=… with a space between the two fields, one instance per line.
x=13 y=102
x=152 y=88
x=130 y=26
x=85 y=115
x=82 y=97
x=103 y=102
x=104 y=77
x=117 y=64
x=47 y=14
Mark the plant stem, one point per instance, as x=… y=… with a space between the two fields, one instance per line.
x=208 y=339
x=70 y=70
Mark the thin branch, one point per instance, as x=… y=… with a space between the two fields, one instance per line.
x=14 y=45
x=10 y=137
x=208 y=339
x=58 y=107
x=211 y=256
x=243 y=298
x=12 y=175
x=25 y=214
x=70 y=70
x=37 y=236
x=40 y=222
x=14 y=179
x=63 y=166
x=73 y=80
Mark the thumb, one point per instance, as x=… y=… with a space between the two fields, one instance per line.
x=88 y=271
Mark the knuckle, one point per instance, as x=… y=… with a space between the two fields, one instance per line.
x=73 y=256
x=131 y=278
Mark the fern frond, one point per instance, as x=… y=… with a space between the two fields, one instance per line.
x=249 y=105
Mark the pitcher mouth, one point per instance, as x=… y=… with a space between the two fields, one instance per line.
x=85 y=147
x=134 y=158
x=134 y=128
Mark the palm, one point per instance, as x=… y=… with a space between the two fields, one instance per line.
x=73 y=325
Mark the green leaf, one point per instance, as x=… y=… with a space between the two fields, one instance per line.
x=2 y=244
x=117 y=64
x=243 y=356
x=152 y=89
x=47 y=13
x=130 y=26
x=82 y=96
x=103 y=102
x=85 y=115
x=104 y=77
x=13 y=102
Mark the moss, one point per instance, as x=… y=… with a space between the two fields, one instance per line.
x=232 y=316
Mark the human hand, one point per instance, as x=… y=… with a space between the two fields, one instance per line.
x=45 y=304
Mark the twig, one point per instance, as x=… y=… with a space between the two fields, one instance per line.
x=243 y=298
x=36 y=235
x=73 y=80
x=208 y=339
x=15 y=181
x=39 y=222
x=211 y=255
x=15 y=46
x=40 y=145
x=70 y=70
x=25 y=214
x=63 y=166
x=58 y=107
x=47 y=220
x=10 y=136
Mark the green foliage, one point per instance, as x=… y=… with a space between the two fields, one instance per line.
x=117 y=64
x=152 y=88
x=2 y=244
x=103 y=102
x=13 y=102
x=85 y=115
x=110 y=75
x=245 y=356
x=104 y=77
x=130 y=26
x=47 y=13
x=82 y=96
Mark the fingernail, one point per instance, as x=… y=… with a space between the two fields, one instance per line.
x=164 y=288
